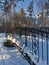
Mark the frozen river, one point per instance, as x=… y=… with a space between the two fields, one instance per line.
x=10 y=56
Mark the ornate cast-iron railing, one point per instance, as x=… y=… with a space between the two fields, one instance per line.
x=36 y=34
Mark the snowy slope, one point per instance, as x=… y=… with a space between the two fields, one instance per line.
x=10 y=56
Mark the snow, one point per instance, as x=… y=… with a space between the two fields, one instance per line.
x=4 y=56
x=34 y=58
x=42 y=63
x=10 y=56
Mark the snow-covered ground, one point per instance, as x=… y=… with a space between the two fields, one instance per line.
x=10 y=56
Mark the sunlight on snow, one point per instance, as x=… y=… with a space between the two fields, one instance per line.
x=4 y=56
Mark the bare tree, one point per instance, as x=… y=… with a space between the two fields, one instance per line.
x=40 y=4
x=43 y=8
x=30 y=10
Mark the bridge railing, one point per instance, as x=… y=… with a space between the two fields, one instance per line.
x=39 y=41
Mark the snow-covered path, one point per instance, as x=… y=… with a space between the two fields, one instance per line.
x=10 y=56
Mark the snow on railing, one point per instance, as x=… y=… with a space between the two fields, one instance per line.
x=40 y=43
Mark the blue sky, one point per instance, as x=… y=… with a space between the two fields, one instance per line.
x=25 y=4
x=20 y=5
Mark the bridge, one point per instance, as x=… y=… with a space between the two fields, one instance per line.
x=40 y=44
